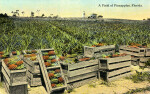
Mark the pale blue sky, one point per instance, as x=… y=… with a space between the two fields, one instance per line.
x=75 y=8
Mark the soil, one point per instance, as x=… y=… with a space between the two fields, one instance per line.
x=116 y=87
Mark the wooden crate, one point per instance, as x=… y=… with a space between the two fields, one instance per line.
x=45 y=70
x=80 y=83
x=116 y=62
x=79 y=68
x=98 y=51
x=32 y=66
x=110 y=75
x=14 y=77
x=17 y=89
x=34 y=79
x=133 y=51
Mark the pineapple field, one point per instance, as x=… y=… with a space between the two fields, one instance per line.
x=68 y=36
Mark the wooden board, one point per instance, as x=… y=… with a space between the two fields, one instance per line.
x=18 y=89
x=14 y=77
x=79 y=65
x=89 y=51
x=80 y=83
x=113 y=63
x=80 y=77
x=85 y=70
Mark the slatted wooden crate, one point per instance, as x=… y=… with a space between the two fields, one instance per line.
x=34 y=79
x=32 y=66
x=14 y=77
x=110 y=75
x=116 y=62
x=98 y=51
x=17 y=89
x=83 y=67
x=45 y=70
x=143 y=60
x=134 y=51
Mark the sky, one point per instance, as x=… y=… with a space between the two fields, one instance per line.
x=75 y=8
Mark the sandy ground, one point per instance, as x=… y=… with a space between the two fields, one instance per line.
x=116 y=87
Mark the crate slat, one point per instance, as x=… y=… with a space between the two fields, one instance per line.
x=116 y=72
x=80 y=77
x=80 y=83
x=80 y=64
x=82 y=71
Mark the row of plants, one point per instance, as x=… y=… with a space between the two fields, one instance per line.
x=68 y=37
x=56 y=78
x=14 y=63
x=49 y=58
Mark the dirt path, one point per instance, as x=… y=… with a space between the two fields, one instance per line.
x=116 y=87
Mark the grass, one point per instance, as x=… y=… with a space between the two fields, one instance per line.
x=133 y=91
x=139 y=77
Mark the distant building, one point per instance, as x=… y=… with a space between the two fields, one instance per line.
x=94 y=16
x=83 y=14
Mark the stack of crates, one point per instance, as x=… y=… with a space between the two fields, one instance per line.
x=138 y=55
x=114 y=68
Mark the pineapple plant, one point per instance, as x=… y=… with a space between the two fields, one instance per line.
x=51 y=53
x=14 y=63
x=47 y=64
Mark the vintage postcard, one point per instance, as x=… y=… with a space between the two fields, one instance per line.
x=74 y=47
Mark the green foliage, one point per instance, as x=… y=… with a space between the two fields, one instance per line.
x=139 y=77
x=134 y=91
x=67 y=36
